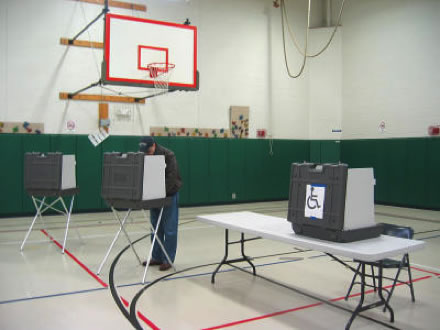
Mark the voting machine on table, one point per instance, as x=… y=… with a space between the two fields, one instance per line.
x=332 y=202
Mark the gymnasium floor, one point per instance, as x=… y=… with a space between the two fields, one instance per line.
x=40 y=288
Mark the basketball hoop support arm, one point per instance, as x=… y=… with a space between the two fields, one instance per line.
x=70 y=96
x=98 y=83
x=104 y=11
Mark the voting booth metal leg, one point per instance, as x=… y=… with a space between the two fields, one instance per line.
x=38 y=214
x=41 y=210
x=68 y=213
x=230 y=261
x=126 y=234
x=155 y=238
x=121 y=228
x=159 y=241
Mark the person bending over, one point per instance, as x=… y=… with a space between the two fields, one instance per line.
x=167 y=231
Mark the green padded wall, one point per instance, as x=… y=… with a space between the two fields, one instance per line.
x=88 y=174
x=212 y=170
x=432 y=175
x=406 y=169
x=218 y=169
x=416 y=188
x=11 y=173
x=237 y=170
x=198 y=153
x=325 y=151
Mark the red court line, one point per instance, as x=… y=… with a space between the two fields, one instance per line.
x=105 y=285
x=425 y=271
x=125 y=302
x=385 y=287
x=141 y=316
x=147 y=321
x=226 y=325
x=262 y=317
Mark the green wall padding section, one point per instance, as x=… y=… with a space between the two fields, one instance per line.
x=432 y=175
x=237 y=170
x=11 y=174
x=406 y=169
x=218 y=172
x=213 y=170
x=88 y=174
x=325 y=151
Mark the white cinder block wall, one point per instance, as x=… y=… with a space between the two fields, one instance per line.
x=391 y=68
x=382 y=65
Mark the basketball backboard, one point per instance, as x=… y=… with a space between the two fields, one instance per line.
x=131 y=44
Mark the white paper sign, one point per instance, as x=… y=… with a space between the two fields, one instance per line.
x=315 y=196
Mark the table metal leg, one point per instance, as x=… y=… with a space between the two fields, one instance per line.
x=361 y=301
x=382 y=302
x=385 y=302
x=225 y=257
x=243 y=256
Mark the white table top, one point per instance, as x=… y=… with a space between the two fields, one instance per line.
x=280 y=229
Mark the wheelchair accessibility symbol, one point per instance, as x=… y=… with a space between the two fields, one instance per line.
x=314 y=208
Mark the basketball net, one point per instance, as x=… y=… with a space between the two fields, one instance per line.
x=161 y=73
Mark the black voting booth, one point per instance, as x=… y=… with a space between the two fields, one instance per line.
x=50 y=175
x=134 y=181
x=332 y=202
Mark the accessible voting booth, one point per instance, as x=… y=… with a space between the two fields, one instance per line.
x=332 y=202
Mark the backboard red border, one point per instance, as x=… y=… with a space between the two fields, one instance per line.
x=144 y=82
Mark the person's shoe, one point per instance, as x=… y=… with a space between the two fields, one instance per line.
x=164 y=267
x=152 y=263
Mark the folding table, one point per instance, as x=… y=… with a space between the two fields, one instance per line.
x=279 y=229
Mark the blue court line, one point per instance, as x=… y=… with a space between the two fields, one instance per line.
x=128 y=285
x=318 y=256
x=169 y=279
x=210 y=273
x=50 y=296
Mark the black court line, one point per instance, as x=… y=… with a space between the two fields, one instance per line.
x=407 y=217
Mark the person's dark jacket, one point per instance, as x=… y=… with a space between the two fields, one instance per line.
x=173 y=181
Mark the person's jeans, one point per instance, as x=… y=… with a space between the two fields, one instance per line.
x=167 y=231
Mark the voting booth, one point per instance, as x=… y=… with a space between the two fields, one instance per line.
x=50 y=175
x=134 y=181
x=133 y=176
x=49 y=171
x=332 y=202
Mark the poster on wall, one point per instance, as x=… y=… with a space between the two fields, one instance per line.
x=21 y=127
x=239 y=121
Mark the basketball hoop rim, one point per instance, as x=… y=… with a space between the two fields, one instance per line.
x=161 y=66
x=158 y=69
